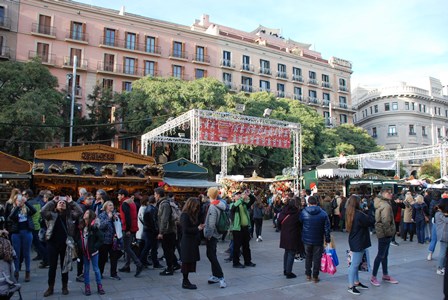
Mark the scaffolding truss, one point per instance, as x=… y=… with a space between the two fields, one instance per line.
x=405 y=154
x=191 y=120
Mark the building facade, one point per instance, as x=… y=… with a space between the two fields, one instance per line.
x=115 y=48
x=9 y=16
x=402 y=115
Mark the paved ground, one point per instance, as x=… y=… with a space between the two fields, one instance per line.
x=407 y=262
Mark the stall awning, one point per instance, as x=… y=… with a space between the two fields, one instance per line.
x=199 y=183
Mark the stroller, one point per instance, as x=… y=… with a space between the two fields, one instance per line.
x=8 y=284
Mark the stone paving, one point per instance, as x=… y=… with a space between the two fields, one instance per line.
x=407 y=263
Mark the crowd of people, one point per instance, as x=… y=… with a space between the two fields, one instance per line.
x=91 y=231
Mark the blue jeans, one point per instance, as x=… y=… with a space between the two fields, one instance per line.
x=381 y=257
x=96 y=269
x=288 y=260
x=442 y=254
x=353 y=269
x=420 y=228
x=433 y=243
x=21 y=243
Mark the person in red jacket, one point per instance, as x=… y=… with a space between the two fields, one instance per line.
x=129 y=226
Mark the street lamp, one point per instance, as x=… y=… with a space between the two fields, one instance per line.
x=72 y=106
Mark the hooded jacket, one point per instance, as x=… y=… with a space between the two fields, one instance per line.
x=215 y=209
x=384 y=218
x=315 y=225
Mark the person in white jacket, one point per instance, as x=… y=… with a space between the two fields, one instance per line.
x=212 y=235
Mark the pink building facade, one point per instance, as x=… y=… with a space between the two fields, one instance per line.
x=115 y=48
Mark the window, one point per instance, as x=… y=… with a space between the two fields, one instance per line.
x=150 y=68
x=424 y=131
x=246 y=63
x=77 y=31
x=312 y=77
x=342 y=82
x=446 y=113
x=265 y=86
x=265 y=67
x=406 y=105
x=75 y=52
x=131 y=40
x=297 y=74
x=227 y=59
x=343 y=118
x=246 y=84
x=387 y=106
x=227 y=79
x=2 y=15
x=200 y=54
x=44 y=24
x=374 y=134
x=151 y=44
x=109 y=37
x=199 y=73
x=312 y=96
x=297 y=93
x=127 y=86
x=392 y=130
x=394 y=105
x=177 y=71
x=343 y=102
x=411 y=130
x=326 y=99
x=280 y=90
x=375 y=108
x=109 y=62
x=439 y=133
x=371 y=110
x=108 y=84
x=326 y=81
x=129 y=66
x=281 y=70
x=77 y=86
x=43 y=52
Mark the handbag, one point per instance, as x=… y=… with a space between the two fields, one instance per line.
x=117 y=243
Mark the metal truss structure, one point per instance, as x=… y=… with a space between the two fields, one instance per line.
x=191 y=120
x=405 y=154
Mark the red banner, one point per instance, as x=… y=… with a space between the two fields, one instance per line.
x=242 y=133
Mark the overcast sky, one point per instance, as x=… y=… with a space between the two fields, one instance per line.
x=386 y=40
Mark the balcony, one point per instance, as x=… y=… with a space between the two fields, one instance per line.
x=280 y=94
x=343 y=88
x=325 y=103
x=392 y=134
x=80 y=63
x=179 y=76
x=230 y=85
x=412 y=133
x=44 y=31
x=46 y=58
x=246 y=88
x=374 y=135
x=328 y=122
x=179 y=55
x=201 y=59
x=298 y=97
x=5 y=23
x=124 y=70
x=313 y=100
x=265 y=89
x=78 y=91
x=326 y=85
x=152 y=73
x=226 y=63
x=247 y=68
x=313 y=81
x=282 y=75
x=343 y=105
x=297 y=78
x=108 y=42
x=265 y=71
x=5 y=53
x=77 y=37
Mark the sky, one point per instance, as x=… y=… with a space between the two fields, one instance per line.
x=387 y=41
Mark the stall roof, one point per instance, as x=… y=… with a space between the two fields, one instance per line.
x=183 y=168
x=199 y=183
x=12 y=164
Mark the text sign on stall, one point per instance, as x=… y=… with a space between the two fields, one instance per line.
x=243 y=133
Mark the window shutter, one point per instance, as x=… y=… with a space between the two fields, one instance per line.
x=184 y=53
x=182 y=75
x=156 y=71
x=84 y=25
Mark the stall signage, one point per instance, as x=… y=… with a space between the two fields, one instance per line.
x=98 y=156
x=243 y=133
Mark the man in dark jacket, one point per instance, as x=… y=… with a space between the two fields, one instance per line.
x=316 y=224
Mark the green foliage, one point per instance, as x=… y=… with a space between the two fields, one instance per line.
x=28 y=96
x=430 y=169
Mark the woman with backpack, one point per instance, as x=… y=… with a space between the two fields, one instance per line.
x=215 y=211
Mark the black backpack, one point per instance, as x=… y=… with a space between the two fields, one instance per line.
x=334 y=203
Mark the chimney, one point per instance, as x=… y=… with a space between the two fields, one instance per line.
x=122 y=11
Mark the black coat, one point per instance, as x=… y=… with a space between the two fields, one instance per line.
x=14 y=218
x=359 y=237
x=189 y=244
x=290 y=235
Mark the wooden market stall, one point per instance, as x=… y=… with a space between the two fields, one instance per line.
x=64 y=170
x=14 y=173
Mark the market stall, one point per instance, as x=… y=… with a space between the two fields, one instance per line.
x=14 y=173
x=64 y=170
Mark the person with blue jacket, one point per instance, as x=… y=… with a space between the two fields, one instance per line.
x=316 y=225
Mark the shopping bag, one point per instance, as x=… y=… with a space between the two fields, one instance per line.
x=334 y=255
x=323 y=263
x=117 y=226
x=326 y=264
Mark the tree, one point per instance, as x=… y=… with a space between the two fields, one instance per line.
x=430 y=170
x=31 y=108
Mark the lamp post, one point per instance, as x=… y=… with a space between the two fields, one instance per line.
x=72 y=106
